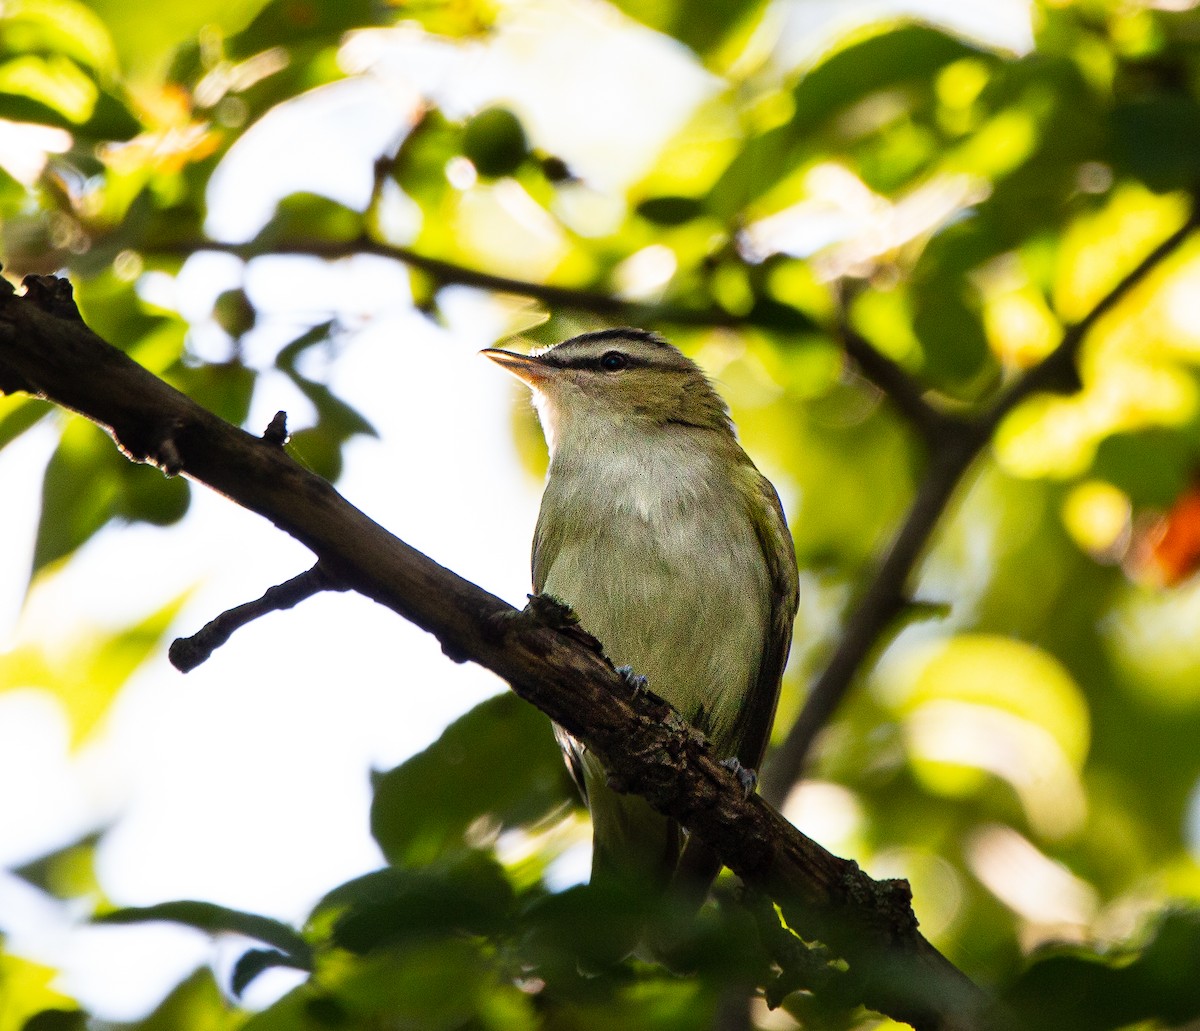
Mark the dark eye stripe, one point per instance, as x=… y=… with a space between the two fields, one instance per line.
x=616 y=361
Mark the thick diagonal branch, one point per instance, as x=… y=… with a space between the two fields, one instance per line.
x=47 y=350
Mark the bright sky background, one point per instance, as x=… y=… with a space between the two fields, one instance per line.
x=246 y=782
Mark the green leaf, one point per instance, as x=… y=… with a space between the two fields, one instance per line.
x=317 y=451
x=290 y=353
x=305 y=1008
x=309 y=216
x=1069 y=988
x=499 y=762
x=583 y=923
x=224 y=388
x=156 y=500
x=207 y=916
x=67 y=872
x=18 y=413
x=320 y=447
x=60 y=26
x=57 y=1020
x=113 y=309
x=145 y=33
x=1157 y=140
x=55 y=81
x=951 y=333
x=195 y=1004
x=254 y=962
x=670 y=211
x=441 y=985
x=80 y=492
x=464 y=18
x=14 y=201
x=469 y=893
x=702 y=27
x=27 y=991
x=1152 y=466
x=888 y=58
x=1034 y=197
x=287 y=23
x=421 y=159
x=87 y=671
x=18 y=107
x=336 y=418
x=88 y=482
x=111 y=119
x=148 y=225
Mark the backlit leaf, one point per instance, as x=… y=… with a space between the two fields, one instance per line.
x=497 y=763
x=214 y=919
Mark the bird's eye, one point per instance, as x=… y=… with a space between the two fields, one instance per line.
x=613 y=361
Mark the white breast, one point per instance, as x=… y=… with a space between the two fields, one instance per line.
x=661 y=562
x=658 y=484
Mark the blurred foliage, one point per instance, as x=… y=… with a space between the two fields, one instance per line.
x=27 y=992
x=1027 y=759
x=86 y=674
x=449 y=792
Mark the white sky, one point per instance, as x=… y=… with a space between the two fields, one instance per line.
x=245 y=782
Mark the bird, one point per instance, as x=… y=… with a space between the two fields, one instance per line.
x=673 y=550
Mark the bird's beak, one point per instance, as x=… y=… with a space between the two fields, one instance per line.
x=525 y=367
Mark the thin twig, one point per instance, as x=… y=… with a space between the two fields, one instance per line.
x=902 y=389
x=951 y=457
x=876 y=367
x=186 y=653
x=899 y=387
x=449 y=273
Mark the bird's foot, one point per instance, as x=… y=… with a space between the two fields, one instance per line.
x=637 y=683
x=748 y=779
x=549 y=611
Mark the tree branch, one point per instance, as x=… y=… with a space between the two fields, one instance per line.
x=449 y=273
x=47 y=350
x=933 y=425
x=953 y=451
x=186 y=653
x=877 y=368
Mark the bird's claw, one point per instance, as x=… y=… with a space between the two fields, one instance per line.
x=549 y=611
x=636 y=682
x=748 y=779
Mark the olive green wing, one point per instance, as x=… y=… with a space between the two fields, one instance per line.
x=547 y=540
x=779 y=554
x=698 y=863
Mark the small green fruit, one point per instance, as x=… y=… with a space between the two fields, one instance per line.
x=234 y=312
x=495 y=142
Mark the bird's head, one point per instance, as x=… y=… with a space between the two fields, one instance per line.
x=630 y=379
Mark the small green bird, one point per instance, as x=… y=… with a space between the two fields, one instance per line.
x=673 y=550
